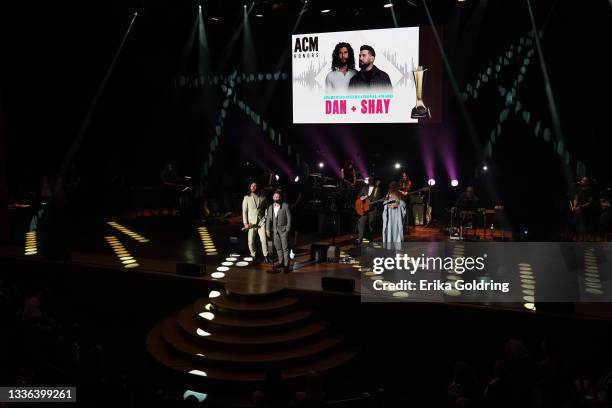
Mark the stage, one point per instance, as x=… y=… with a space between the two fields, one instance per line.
x=164 y=242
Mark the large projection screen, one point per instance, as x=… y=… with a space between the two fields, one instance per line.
x=326 y=89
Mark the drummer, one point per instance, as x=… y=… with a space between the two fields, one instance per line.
x=348 y=175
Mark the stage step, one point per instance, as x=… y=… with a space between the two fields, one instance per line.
x=253 y=292
x=185 y=344
x=164 y=354
x=291 y=316
x=227 y=304
x=190 y=323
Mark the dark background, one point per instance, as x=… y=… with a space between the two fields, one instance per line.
x=55 y=55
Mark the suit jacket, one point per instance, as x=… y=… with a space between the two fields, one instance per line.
x=253 y=209
x=282 y=221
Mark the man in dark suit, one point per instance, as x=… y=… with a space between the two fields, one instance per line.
x=372 y=192
x=278 y=224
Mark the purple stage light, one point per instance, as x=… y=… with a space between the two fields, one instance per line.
x=454 y=183
x=349 y=143
x=431 y=182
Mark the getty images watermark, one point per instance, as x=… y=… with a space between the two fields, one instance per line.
x=450 y=264
x=487 y=272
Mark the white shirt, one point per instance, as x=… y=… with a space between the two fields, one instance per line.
x=276 y=208
x=370 y=189
x=337 y=80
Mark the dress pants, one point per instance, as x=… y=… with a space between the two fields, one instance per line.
x=261 y=231
x=281 y=243
x=368 y=220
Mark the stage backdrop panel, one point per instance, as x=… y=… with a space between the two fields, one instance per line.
x=323 y=94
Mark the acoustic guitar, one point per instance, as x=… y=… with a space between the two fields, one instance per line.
x=363 y=206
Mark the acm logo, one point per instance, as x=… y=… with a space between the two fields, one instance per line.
x=306 y=47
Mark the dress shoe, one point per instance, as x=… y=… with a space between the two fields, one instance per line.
x=268 y=259
x=286 y=269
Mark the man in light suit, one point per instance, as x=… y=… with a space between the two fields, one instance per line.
x=254 y=219
x=278 y=224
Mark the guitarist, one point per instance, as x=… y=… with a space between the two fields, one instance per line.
x=371 y=192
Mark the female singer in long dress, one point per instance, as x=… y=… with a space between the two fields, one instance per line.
x=394 y=217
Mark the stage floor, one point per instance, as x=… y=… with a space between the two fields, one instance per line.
x=157 y=244
x=172 y=240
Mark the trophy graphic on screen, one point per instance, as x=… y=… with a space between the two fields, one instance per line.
x=420 y=110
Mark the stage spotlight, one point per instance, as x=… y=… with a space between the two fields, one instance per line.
x=277 y=177
x=259 y=15
x=367 y=180
x=431 y=182
x=215 y=19
x=388 y=5
x=321 y=165
x=296 y=179
x=485 y=167
x=398 y=166
x=325 y=11
x=454 y=183
x=200 y=8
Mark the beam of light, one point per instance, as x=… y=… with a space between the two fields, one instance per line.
x=283 y=58
x=203 y=49
x=445 y=147
x=348 y=140
x=427 y=150
x=390 y=7
x=471 y=130
x=552 y=105
x=249 y=59
x=76 y=143
x=454 y=183
x=323 y=150
x=261 y=152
